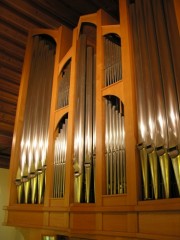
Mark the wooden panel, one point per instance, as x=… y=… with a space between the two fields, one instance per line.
x=83 y=221
x=114 y=200
x=115 y=222
x=177 y=11
x=163 y=223
x=59 y=219
x=21 y=218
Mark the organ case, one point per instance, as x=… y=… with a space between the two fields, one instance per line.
x=89 y=183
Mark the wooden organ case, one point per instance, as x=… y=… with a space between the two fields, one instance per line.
x=75 y=167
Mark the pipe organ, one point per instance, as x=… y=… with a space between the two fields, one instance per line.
x=96 y=142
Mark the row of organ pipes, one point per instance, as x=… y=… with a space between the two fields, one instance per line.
x=158 y=111
x=158 y=102
x=112 y=59
x=84 y=122
x=115 y=146
x=64 y=82
x=60 y=149
x=30 y=179
x=85 y=127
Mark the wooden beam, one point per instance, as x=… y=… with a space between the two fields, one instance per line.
x=10 y=62
x=5 y=140
x=13 y=35
x=6 y=129
x=9 y=87
x=65 y=14
x=7 y=73
x=7 y=108
x=16 y=19
x=7 y=118
x=8 y=97
x=33 y=13
x=12 y=48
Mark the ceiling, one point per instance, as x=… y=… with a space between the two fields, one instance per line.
x=17 y=17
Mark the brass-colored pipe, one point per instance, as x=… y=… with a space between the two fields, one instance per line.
x=19 y=186
x=165 y=170
x=175 y=159
x=176 y=168
x=153 y=162
x=26 y=190
x=26 y=183
x=77 y=182
x=144 y=168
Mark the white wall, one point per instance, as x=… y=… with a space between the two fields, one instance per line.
x=6 y=233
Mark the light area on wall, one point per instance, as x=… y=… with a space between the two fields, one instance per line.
x=6 y=232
